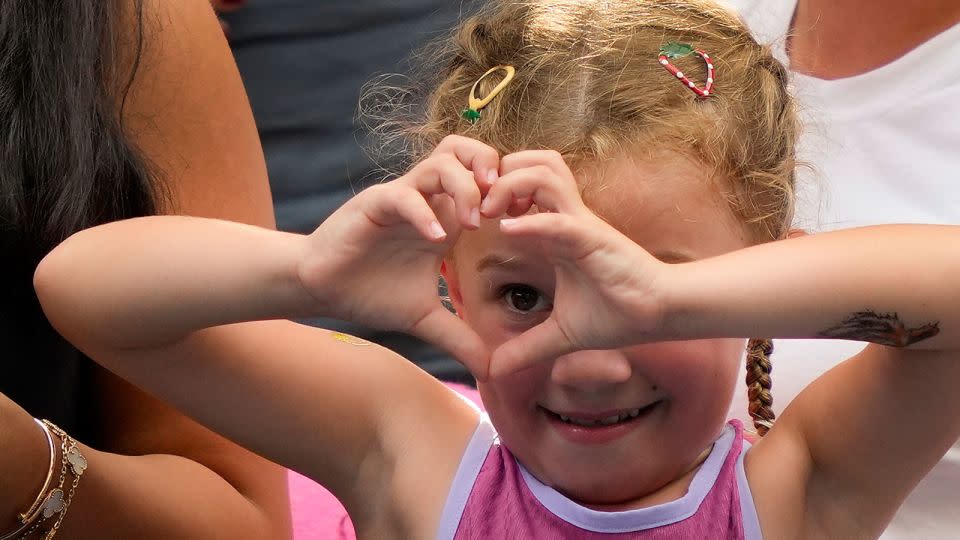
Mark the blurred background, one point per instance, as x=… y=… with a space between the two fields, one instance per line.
x=304 y=64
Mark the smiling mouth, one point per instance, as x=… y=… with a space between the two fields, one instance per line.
x=595 y=421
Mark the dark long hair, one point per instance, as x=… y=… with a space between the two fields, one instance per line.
x=65 y=162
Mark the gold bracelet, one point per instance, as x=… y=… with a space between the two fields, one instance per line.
x=73 y=458
x=57 y=501
x=40 y=503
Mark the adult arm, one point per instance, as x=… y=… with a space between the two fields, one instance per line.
x=153 y=472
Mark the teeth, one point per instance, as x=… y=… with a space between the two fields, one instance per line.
x=608 y=421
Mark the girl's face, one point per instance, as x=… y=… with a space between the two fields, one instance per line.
x=670 y=398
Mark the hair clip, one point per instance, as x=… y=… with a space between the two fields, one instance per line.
x=679 y=50
x=472 y=112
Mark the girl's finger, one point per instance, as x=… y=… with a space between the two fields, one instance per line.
x=449 y=332
x=530 y=158
x=444 y=174
x=548 y=191
x=395 y=204
x=559 y=235
x=543 y=342
x=479 y=158
x=520 y=207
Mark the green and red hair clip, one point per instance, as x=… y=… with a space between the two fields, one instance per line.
x=674 y=50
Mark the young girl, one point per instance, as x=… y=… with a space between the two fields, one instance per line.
x=605 y=319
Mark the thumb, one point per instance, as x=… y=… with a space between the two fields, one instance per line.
x=540 y=343
x=449 y=332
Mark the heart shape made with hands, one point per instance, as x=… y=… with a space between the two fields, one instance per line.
x=603 y=296
x=391 y=239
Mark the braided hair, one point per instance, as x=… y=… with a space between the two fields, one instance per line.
x=759 y=384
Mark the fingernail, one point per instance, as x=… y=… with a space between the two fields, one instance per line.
x=475 y=217
x=485 y=206
x=437 y=230
x=506 y=224
x=492 y=176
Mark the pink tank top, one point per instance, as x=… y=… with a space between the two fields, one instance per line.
x=494 y=496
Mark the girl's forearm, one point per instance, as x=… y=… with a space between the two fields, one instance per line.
x=178 y=275
x=895 y=285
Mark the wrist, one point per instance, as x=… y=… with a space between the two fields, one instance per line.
x=314 y=284
x=24 y=462
x=682 y=302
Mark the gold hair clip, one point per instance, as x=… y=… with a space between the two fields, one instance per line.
x=472 y=112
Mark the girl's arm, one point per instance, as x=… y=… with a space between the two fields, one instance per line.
x=893 y=285
x=177 y=306
x=867 y=431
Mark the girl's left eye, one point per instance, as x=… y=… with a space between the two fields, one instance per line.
x=524 y=299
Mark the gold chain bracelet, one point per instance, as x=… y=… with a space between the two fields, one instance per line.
x=55 y=502
x=28 y=518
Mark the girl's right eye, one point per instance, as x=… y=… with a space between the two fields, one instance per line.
x=524 y=299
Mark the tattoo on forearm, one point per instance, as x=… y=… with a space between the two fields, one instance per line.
x=884 y=329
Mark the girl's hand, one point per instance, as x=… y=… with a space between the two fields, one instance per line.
x=376 y=260
x=606 y=285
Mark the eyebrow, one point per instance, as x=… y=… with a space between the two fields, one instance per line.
x=496 y=259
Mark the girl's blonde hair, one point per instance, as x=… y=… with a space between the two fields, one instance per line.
x=589 y=85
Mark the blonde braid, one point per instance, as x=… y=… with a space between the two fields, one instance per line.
x=759 y=383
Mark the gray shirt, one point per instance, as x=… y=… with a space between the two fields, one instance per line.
x=303 y=63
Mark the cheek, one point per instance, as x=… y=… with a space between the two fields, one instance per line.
x=698 y=376
x=511 y=401
x=483 y=319
x=484 y=314
x=515 y=392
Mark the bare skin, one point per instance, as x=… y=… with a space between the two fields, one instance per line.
x=824 y=44
x=618 y=328
x=173 y=478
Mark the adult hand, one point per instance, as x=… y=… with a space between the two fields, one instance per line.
x=606 y=292
x=376 y=260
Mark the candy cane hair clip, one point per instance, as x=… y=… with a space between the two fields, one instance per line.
x=673 y=50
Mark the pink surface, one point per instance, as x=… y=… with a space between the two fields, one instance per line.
x=317 y=514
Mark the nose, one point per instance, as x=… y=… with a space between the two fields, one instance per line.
x=591 y=370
